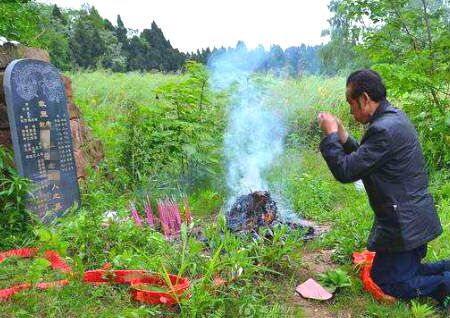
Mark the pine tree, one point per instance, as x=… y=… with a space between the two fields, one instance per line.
x=121 y=33
x=86 y=43
x=160 y=53
x=276 y=59
x=108 y=25
x=137 y=54
x=57 y=15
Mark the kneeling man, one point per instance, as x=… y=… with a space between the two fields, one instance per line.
x=390 y=163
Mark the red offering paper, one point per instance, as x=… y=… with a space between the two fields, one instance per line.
x=311 y=289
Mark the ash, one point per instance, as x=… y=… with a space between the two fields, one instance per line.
x=257 y=209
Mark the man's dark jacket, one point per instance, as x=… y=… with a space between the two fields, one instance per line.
x=391 y=165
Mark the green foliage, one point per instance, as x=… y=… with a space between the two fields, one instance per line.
x=19 y=21
x=37 y=268
x=248 y=267
x=334 y=279
x=176 y=136
x=422 y=310
x=340 y=54
x=15 y=271
x=55 y=36
x=83 y=39
x=37 y=25
x=87 y=44
x=433 y=129
x=302 y=100
x=162 y=132
x=14 y=218
x=206 y=202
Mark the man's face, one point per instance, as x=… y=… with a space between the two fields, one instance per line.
x=359 y=107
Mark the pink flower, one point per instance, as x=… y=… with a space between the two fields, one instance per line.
x=135 y=214
x=149 y=213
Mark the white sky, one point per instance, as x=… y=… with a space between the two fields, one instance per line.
x=192 y=24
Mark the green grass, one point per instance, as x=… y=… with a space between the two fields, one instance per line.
x=270 y=268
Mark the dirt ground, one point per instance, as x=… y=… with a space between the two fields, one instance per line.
x=315 y=262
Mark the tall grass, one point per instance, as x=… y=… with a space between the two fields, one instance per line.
x=103 y=98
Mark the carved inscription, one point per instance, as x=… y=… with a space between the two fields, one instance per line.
x=40 y=131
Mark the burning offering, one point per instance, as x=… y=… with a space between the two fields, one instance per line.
x=252 y=211
x=257 y=209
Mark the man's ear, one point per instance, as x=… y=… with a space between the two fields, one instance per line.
x=365 y=99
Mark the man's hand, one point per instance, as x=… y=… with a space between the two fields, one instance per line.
x=328 y=123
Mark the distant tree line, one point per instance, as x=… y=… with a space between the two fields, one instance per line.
x=82 y=39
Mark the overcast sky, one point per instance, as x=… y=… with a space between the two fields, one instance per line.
x=192 y=24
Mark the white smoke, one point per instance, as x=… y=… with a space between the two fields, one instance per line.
x=253 y=139
x=255 y=132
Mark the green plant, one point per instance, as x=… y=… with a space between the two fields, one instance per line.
x=422 y=310
x=174 y=138
x=206 y=202
x=335 y=279
x=37 y=268
x=15 y=220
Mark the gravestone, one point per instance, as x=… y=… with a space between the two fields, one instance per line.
x=41 y=136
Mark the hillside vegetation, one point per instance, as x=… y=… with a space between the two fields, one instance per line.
x=163 y=135
x=163 y=132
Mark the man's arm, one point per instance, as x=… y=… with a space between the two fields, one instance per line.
x=350 y=167
x=347 y=141
x=350 y=145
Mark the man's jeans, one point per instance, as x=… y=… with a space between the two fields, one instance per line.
x=430 y=280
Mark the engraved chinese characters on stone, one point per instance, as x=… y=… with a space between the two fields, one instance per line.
x=40 y=130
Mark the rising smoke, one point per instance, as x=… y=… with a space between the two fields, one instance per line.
x=255 y=131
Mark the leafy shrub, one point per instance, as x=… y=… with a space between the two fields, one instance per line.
x=161 y=133
x=334 y=279
x=15 y=221
x=433 y=128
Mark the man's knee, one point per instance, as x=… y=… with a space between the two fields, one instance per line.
x=437 y=268
x=443 y=290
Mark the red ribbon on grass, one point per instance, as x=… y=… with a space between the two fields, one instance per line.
x=56 y=262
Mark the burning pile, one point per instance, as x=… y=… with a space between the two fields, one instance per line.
x=252 y=211
x=258 y=209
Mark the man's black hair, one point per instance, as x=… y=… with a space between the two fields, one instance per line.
x=368 y=81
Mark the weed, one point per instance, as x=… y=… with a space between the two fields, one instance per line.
x=335 y=279
x=422 y=310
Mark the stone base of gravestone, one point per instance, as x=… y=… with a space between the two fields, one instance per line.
x=87 y=151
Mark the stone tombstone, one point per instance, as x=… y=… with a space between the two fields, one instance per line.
x=40 y=131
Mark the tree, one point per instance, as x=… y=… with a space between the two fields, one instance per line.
x=113 y=58
x=56 y=37
x=20 y=22
x=108 y=25
x=93 y=43
x=160 y=53
x=121 y=32
x=276 y=59
x=58 y=15
x=340 y=53
x=408 y=42
x=86 y=44
x=137 y=54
